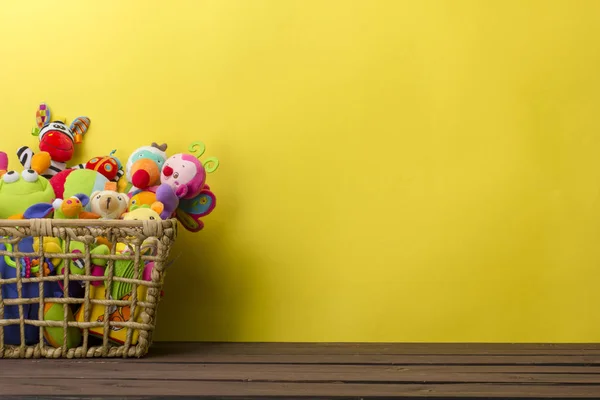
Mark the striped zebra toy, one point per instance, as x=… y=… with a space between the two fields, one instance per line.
x=57 y=143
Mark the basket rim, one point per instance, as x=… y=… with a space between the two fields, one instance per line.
x=14 y=223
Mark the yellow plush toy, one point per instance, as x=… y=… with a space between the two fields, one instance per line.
x=145 y=213
x=51 y=245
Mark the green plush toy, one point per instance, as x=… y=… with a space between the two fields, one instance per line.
x=20 y=191
x=78 y=266
x=84 y=181
x=54 y=334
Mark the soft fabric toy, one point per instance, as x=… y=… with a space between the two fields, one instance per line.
x=77 y=265
x=141 y=198
x=57 y=141
x=51 y=245
x=190 y=211
x=71 y=182
x=145 y=212
x=109 y=166
x=183 y=177
x=3 y=163
x=29 y=290
x=108 y=204
x=20 y=191
x=144 y=166
x=70 y=208
x=54 y=334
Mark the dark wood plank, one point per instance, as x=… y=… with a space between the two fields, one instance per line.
x=49 y=369
x=139 y=387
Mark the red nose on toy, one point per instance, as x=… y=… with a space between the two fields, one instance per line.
x=168 y=171
x=140 y=178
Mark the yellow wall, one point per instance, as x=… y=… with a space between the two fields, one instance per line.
x=390 y=170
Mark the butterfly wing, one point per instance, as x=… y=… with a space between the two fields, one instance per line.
x=190 y=211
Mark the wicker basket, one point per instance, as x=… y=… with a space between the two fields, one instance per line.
x=24 y=298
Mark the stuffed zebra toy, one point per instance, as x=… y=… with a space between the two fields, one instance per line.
x=57 y=144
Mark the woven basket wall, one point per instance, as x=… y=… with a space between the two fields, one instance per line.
x=137 y=235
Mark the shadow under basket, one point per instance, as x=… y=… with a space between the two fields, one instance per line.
x=81 y=288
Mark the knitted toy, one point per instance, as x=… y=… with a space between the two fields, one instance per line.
x=57 y=143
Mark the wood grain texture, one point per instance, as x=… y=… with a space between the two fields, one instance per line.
x=317 y=370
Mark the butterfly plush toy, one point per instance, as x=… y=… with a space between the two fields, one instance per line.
x=183 y=189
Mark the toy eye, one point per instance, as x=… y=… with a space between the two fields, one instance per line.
x=133 y=201
x=176 y=175
x=10 y=177
x=98 y=197
x=119 y=198
x=30 y=175
x=151 y=217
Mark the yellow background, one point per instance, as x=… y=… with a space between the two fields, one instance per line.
x=390 y=170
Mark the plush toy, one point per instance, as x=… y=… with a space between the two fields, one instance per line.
x=109 y=166
x=185 y=174
x=51 y=245
x=183 y=179
x=57 y=143
x=54 y=334
x=77 y=265
x=189 y=211
x=20 y=191
x=141 y=198
x=145 y=212
x=70 y=208
x=144 y=166
x=71 y=182
x=28 y=290
x=108 y=204
x=3 y=163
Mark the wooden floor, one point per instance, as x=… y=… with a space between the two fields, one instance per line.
x=318 y=371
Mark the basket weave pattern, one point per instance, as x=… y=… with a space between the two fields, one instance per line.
x=160 y=234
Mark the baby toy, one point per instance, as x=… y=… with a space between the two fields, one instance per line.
x=108 y=166
x=29 y=290
x=144 y=197
x=72 y=181
x=145 y=212
x=20 y=191
x=190 y=211
x=3 y=163
x=70 y=208
x=183 y=180
x=57 y=141
x=144 y=166
x=54 y=334
x=108 y=204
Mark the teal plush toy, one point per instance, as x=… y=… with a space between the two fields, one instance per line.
x=20 y=191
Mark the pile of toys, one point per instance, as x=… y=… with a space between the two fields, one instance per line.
x=151 y=185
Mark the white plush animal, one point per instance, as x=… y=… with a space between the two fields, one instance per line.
x=109 y=204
